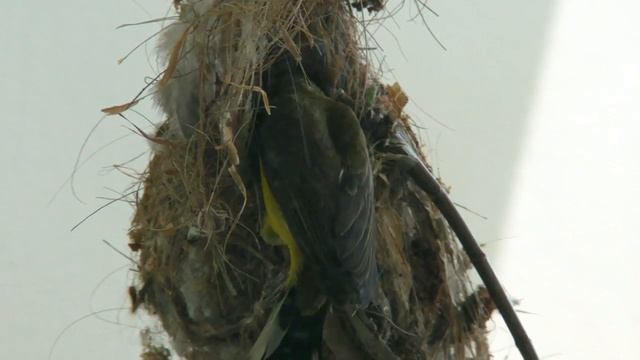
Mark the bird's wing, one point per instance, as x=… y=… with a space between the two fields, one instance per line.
x=316 y=161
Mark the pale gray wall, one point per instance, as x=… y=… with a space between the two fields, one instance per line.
x=481 y=87
x=57 y=70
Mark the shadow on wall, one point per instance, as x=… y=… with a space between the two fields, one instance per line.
x=480 y=90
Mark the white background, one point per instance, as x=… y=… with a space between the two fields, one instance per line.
x=536 y=130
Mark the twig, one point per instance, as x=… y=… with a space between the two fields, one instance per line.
x=428 y=183
x=403 y=152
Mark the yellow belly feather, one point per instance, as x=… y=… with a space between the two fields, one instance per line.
x=276 y=231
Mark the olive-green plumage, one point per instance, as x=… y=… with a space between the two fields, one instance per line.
x=317 y=188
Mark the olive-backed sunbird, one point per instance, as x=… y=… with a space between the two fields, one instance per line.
x=317 y=189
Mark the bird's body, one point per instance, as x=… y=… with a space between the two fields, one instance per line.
x=317 y=188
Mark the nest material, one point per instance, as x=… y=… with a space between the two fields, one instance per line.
x=203 y=269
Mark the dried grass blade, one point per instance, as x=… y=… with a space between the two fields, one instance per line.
x=119 y=109
x=175 y=56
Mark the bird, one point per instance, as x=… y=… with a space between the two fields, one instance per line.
x=316 y=180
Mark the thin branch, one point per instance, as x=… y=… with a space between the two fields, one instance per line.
x=428 y=183
x=402 y=150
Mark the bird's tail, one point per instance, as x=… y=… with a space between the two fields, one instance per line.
x=290 y=333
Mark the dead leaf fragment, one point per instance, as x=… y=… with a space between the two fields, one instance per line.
x=398 y=98
x=119 y=109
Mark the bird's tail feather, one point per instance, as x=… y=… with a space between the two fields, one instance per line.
x=289 y=334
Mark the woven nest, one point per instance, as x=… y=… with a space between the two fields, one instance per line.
x=203 y=269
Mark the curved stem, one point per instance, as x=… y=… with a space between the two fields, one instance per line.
x=427 y=182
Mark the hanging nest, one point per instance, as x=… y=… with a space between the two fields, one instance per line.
x=204 y=270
